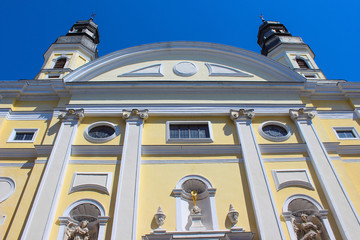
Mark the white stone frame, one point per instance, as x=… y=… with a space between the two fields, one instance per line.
x=186 y=140
x=356 y=134
x=271 y=138
x=323 y=215
x=12 y=185
x=101 y=140
x=92 y=186
x=182 y=198
x=26 y=130
x=292 y=183
x=316 y=76
x=64 y=220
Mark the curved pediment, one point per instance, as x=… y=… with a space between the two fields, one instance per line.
x=183 y=61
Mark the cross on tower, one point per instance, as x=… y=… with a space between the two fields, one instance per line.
x=262 y=17
x=92 y=16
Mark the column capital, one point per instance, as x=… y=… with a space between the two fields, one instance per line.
x=242 y=114
x=135 y=114
x=302 y=114
x=71 y=115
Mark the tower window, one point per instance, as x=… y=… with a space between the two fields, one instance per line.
x=346 y=133
x=302 y=63
x=60 y=63
x=23 y=135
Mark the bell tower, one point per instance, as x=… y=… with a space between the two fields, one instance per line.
x=277 y=43
x=77 y=47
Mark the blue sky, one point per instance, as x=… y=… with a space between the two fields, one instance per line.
x=30 y=27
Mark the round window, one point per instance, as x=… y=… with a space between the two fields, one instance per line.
x=101 y=132
x=274 y=131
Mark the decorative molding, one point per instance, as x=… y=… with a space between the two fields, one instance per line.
x=95 y=162
x=302 y=114
x=90 y=181
x=225 y=71
x=203 y=235
x=7 y=187
x=292 y=178
x=71 y=115
x=135 y=114
x=96 y=150
x=148 y=71
x=29 y=116
x=337 y=115
x=242 y=114
x=185 y=69
x=192 y=161
x=20 y=165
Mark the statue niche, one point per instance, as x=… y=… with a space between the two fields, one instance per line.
x=83 y=223
x=306 y=221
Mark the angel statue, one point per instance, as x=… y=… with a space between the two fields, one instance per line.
x=308 y=229
x=75 y=232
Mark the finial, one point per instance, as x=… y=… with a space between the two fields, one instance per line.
x=92 y=16
x=159 y=218
x=262 y=17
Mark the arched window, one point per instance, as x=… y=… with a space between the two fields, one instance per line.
x=185 y=204
x=87 y=210
x=60 y=62
x=302 y=63
x=301 y=211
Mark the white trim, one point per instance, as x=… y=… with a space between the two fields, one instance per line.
x=235 y=73
x=12 y=187
x=337 y=115
x=292 y=183
x=271 y=138
x=92 y=186
x=101 y=140
x=11 y=138
x=192 y=161
x=123 y=57
x=95 y=162
x=185 y=140
x=185 y=74
x=29 y=116
x=352 y=129
x=135 y=73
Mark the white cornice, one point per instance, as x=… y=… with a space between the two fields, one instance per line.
x=123 y=57
x=28 y=115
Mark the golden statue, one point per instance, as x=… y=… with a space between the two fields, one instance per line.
x=194 y=196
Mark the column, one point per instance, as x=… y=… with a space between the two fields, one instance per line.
x=40 y=220
x=344 y=213
x=267 y=218
x=125 y=213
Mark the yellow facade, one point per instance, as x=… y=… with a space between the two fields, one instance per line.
x=110 y=140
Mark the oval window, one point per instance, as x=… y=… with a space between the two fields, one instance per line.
x=274 y=131
x=101 y=132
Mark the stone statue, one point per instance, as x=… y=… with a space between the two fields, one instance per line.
x=195 y=209
x=233 y=215
x=307 y=229
x=160 y=218
x=75 y=232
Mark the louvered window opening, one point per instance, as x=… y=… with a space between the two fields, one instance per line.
x=189 y=131
x=302 y=63
x=60 y=63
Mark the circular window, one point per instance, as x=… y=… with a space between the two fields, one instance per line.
x=274 y=131
x=101 y=132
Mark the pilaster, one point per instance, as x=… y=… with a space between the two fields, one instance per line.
x=267 y=218
x=344 y=213
x=40 y=220
x=125 y=213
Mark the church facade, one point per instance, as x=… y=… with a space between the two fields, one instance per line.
x=179 y=140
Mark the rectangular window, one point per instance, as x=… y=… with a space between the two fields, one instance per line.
x=346 y=133
x=192 y=131
x=23 y=135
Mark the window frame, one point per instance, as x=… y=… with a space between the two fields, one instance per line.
x=210 y=139
x=352 y=129
x=271 y=138
x=23 y=130
x=101 y=140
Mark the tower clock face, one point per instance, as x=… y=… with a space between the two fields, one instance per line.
x=275 y=131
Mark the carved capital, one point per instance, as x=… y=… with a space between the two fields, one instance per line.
x=301 y=114
x=71 y=115
x=135 y=113
x=242 y=114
